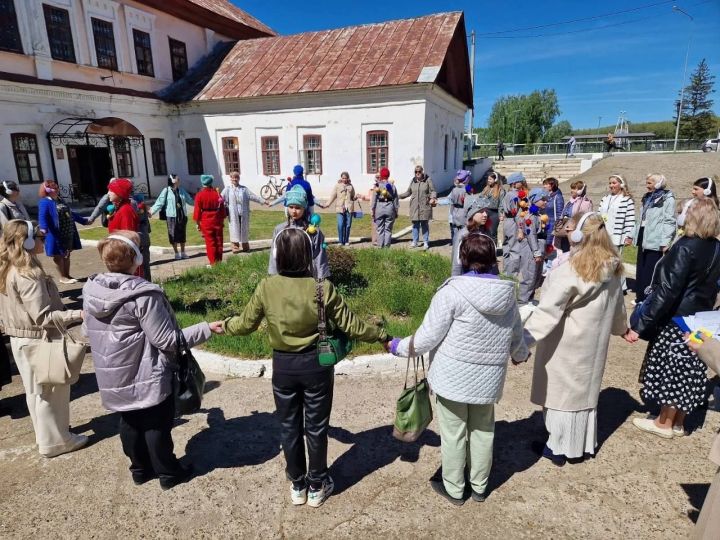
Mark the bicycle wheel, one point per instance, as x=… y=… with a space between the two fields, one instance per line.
x=281 y=189
x=266 y=192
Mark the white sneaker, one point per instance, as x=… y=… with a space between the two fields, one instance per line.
x=413 y=245
x=298 y=496
x=184 y=255
x=316 y=498
x=68 y=281
x=679 y=431
x=648 y=424
x=426 y=247
x=178 y=256
x=75 y=443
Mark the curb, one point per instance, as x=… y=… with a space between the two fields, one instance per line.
x=267 y=243
x=237 y=368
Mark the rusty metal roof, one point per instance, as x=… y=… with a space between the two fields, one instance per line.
x=425 y=49
x=225 y=9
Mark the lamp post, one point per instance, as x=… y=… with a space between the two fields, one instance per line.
x=682 y=86
x=515 y=125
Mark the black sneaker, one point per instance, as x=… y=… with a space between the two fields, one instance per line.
x=478 y=497
x=439 y=488
x=169 y=482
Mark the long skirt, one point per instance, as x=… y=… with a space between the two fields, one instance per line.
x=177 y=230
x=572 y=433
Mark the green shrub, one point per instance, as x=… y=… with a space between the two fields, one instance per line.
x=342 y=262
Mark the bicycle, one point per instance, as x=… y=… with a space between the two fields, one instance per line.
x=273 y=189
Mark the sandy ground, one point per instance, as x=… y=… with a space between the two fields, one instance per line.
x=639 y=486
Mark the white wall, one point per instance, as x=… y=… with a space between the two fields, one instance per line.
x=444 y=117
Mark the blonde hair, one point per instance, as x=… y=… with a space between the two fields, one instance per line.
x=595 y=253
x=116 y=254
x=623 y=184
x=14 y=255
x=702 y=219
x=657 y=179
x=495 y=189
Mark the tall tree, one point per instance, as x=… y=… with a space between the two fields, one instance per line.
x=697 y=120
x=523 y=119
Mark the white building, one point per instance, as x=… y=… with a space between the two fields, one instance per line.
x=91 y=89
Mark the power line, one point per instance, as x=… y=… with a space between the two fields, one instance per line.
x=570 y=21
x=571 y=31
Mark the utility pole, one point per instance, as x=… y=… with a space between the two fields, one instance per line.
x=682 y=86
x=472 y=78
x=599 y=120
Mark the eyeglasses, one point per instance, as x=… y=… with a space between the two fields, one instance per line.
x=418 y=172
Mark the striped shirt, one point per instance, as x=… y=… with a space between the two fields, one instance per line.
x=618 y=211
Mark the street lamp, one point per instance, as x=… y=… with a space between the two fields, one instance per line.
x=682 y=86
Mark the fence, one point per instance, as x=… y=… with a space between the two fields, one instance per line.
x=588 y=147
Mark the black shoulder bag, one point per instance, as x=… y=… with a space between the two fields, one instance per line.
x=162 y=215
x=189 y=380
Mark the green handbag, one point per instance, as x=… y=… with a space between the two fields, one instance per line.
x=336 y=346
x=413 y=412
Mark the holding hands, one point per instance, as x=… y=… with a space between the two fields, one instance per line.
x=631 y=336
x=216 y=327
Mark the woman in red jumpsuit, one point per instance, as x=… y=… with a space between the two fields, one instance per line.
x=210 y=216
x=122 y=213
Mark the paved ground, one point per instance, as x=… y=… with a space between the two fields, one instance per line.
x=639 y=486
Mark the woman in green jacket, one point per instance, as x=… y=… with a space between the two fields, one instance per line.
x=302 y=388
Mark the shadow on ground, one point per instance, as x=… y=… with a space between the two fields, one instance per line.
x=234 y=442
x=372 y=450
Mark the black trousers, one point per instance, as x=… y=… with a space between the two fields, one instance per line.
x=303 y=402
x=146 y=440
x=646 y=261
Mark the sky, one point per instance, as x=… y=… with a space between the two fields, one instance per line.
x=608 y=63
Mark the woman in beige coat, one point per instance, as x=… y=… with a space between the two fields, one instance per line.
x=344 y=198
x=30 y=305
x=708 y=523
x=580 y=307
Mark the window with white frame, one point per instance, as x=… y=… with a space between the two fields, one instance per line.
x=9 y=28
x=312 y=154
x=143 y=53
x=59 y=32
x=27 y=157
x=378 y=151
x=104 y=37
x=270 y=147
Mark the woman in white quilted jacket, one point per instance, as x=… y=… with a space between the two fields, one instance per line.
x=473 y=325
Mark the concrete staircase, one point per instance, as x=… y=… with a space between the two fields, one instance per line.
x=537 y=169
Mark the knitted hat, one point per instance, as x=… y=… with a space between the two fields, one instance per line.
x=480 y=204
x=296 y=196
x=207 y=180
x=298 y=170
x=463 y=176
x=515 y=177
x=538 y=194
x=384 y=173
x=122 y=187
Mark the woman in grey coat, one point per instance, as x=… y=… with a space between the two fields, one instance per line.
x=422 y=198
x=134 y=338
x=385 y=206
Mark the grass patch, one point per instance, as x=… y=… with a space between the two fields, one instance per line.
x=395 y=285
x=262 y=223
x=629 y=254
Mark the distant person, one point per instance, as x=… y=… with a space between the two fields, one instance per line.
x=610 y=143
x=501 y=151
x=237 y=201
x=571 y=146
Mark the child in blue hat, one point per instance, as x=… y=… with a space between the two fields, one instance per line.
x=296 y=203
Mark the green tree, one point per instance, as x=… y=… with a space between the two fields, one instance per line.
x=697 y=120
x=558 y=131
x=523 y=119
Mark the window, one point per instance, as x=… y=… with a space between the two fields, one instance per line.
x=455 y=152
x=445 y=152
x=270 y=155
x=178 y=59
x=231 y=154
x=312 y=154
x=104 y=44
x=57 y=24
x=27 y=159
x=9 y=29
x=193 y=147
x=123 y=155
x=143 y=53
x=377 y=151
x=157 y=149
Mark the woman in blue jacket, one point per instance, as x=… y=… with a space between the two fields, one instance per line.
x=57 y=221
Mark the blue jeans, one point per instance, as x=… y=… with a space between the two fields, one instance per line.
x=344 y=222
x=416 y=226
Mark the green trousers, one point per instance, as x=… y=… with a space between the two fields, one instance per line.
x=466 y=438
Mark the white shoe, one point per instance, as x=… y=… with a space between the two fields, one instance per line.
x=679 y=431
x=75 y=443
x=647 y=424
x=178 y=256
x=426 y=247
x=208 y=266
x=413 y=245
x=298 y=496
x=184 y=255
x=68 y=281
x=316 y=498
